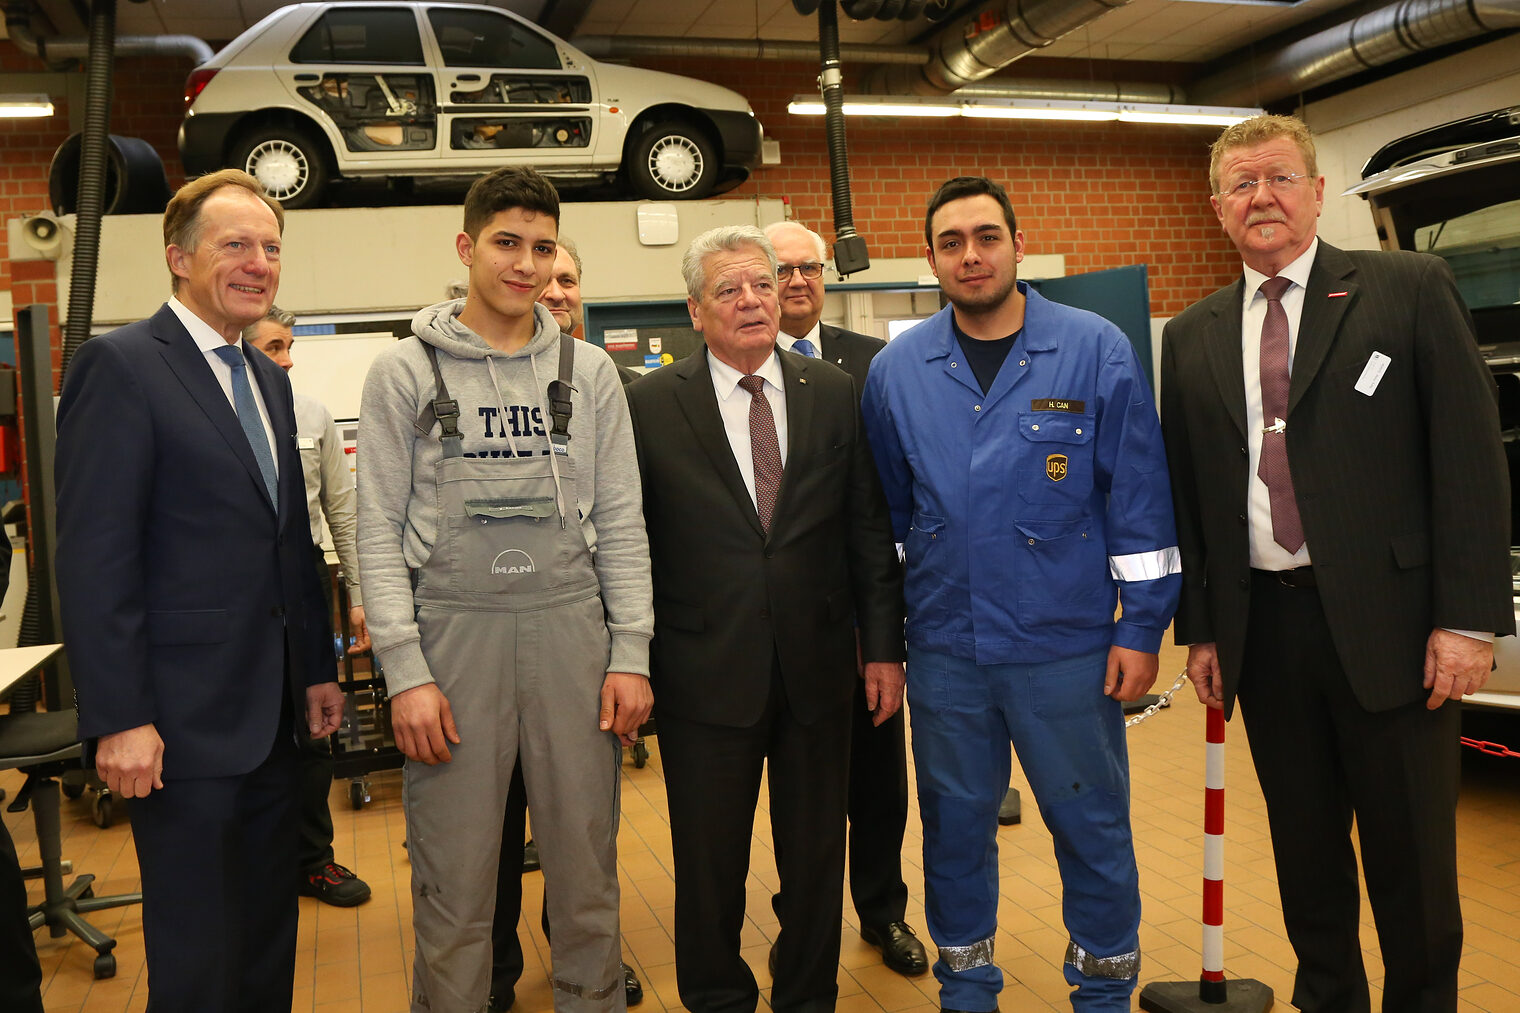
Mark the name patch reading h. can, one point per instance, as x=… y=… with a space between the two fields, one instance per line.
x=1052 y=404
x=1055 y=467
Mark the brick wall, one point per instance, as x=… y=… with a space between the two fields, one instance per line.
x=1105 y=195
x=147 y=103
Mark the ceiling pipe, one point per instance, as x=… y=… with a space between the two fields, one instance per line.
x=1376 y=38
x=985 y=41
x=633 y=46
x=54 y=50
x=1065 y=90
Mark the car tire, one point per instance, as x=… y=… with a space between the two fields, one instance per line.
x=672 y=160
x=290 y=163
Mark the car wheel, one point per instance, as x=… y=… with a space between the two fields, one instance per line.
x=289 y=163
x=673 y=160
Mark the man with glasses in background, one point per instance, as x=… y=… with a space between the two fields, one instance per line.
x=878 y=792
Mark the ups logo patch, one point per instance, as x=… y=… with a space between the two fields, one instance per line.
x=1055 y=467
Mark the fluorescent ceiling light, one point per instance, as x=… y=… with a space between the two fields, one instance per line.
x=25 y=105
x=1047 y=111
x=1205 y=116
x=1029 y=109
x=868 y=106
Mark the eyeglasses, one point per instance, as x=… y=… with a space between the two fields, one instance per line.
x=1277 y=184
x=811 y=270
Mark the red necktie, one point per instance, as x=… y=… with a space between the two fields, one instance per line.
x=764 y=450
x=1287 y=527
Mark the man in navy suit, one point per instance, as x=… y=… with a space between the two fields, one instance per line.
x=197 y=638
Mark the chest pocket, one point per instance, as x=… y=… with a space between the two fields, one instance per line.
x=1053 y=458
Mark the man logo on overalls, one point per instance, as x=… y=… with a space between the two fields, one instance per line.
x=1055 y=467
x=512 y=561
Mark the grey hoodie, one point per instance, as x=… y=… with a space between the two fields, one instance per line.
x=398 y=513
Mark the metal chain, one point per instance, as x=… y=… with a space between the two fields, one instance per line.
x=1490 y=748
x=1164 y=702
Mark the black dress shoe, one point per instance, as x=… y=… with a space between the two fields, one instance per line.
x=1012 y=809
x=631 y=987
x=900 y=949
x=530 y=857
x=502 y=1001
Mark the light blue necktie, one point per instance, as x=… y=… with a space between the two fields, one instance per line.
x=802 y=346
x=248 y=415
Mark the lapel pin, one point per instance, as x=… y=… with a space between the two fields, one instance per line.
x=1337 y=295
x=802 y=379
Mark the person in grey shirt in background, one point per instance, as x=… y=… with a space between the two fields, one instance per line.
x=329 y=493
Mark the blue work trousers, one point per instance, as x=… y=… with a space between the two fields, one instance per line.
x=1070 y=741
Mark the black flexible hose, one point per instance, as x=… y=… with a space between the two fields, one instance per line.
x=849 y=249
x=92 y=177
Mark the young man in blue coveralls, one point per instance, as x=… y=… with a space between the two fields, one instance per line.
x=1021 y=455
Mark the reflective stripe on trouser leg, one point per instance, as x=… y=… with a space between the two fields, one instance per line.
x=960 y=750
x=1123 y=965
x=964 y=958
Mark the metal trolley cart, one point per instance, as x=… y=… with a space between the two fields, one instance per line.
x=363 y=744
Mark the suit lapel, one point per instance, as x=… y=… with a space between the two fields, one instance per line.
x=699 y=403
x=268 y=376
x=189 y=365
x=1222 y=345
x=1321 y=317
x=830 y=350
x=799 y=425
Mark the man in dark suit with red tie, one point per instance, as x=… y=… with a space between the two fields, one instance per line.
x=1342 y=512
x=197 y=637
x=770 y=544
x=878 y=803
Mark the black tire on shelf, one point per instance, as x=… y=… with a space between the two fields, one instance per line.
x=640 y=755
x=72 y=789
x=672 y=160
x=289 y=161
x=102 y=809
x=356 y=794
x=105 y=966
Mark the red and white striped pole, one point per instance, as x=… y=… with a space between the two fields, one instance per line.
x=1211 y=986
x=1212 y=992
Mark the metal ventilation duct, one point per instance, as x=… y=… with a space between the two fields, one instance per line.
x=1378 y=37
x=632 y=46
x=1057 y=89
x=985 y=41
x=57 y=49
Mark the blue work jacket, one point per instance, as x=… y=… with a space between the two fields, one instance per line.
x=1024 y=512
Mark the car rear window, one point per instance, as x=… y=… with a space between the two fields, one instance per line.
x=361 y=35
x=484 y=39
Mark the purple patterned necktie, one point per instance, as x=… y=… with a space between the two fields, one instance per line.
x=764 y=450
x=1287 y=527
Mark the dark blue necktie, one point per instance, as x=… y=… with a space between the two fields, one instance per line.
x=248 y=415
x=802 y=346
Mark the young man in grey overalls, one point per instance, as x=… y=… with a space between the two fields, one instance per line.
x=506 y=578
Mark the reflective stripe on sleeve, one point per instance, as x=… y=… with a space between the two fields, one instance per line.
x=1146 y=565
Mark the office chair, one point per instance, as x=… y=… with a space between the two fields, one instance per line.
x=43 y=744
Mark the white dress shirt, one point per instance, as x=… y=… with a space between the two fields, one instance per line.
x=733 y=405
x=208 y=341
x=815 y=335
x=1266 y=554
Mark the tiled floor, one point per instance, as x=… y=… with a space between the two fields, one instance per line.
x=359 y=959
